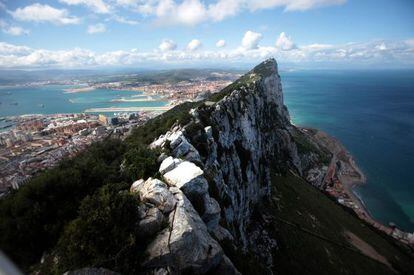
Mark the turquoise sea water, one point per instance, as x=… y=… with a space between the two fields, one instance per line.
x=52 y=99
x=372 y=113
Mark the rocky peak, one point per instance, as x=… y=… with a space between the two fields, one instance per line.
x=221 y=162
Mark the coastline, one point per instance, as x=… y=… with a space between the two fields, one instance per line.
x=78 y=90
x=128 y=109
x=342 y=176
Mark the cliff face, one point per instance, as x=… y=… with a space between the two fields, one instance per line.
x=233 y=191
x=221 y=163
x=249 y=129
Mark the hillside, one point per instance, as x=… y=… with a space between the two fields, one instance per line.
x=213 y=187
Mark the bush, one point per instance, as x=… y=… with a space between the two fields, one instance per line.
x=32 y=219
x=140 y=162
x=103 y=235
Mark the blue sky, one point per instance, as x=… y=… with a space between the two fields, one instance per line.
x=102 y=33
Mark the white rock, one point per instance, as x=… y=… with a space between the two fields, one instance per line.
x=136 y=185
x=187 y=177
x=169 y=164
x=209 y=132
x=156 y=192
x=183 y=173
x=188 y=246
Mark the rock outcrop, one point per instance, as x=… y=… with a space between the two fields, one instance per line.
x=215 y=173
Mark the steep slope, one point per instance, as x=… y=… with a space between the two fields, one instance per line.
x=240 y=143
x=218 y=188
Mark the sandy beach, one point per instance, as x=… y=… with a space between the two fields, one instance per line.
x=342 y=176
x=78 y=90
x=128 y=109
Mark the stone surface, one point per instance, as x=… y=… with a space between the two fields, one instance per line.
x=244 y=132
x=156 y=192
x=151 y=223
x=91 y=271
x=169 y=164
x=187 y=246
x=188 y=177
x=211 y=215
x=136 y=185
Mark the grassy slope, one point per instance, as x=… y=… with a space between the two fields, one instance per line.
x=298 y=207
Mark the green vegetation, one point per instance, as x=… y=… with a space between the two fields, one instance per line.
x=104 y=234
x=51 y=207
x=165 y=76
x=306 y=146
x=81 y=213
x=310 y=229
x=32 y=219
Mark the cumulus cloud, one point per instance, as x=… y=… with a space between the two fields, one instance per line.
x=368 y=53
x=187 y=12
x=98 y=6
x=44 y=13
x=292 y=5
x=11 y=29
x=194 y=45
x=284 y=42
x=98 y=28
x=167 y=45
x=123 y=20
x=251 y=40
x=221 y=43
x=192 y=12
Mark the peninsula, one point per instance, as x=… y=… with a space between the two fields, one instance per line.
x=224 y=185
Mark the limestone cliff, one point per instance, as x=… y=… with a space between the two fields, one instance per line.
x=217 y=167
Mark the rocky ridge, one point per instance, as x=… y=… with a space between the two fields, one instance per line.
x=215 y=171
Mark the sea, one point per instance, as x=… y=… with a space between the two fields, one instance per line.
x=51 y=99
x=370 y=112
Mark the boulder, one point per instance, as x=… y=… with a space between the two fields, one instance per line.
x=188 y=177
x=151 y=223
x=162 y=157
x=209 y=132
x=156 y=192
x=211 y=215
x=168 y=164
x=136 y=185
x=185 y=246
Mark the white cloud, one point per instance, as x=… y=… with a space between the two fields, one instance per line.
x=98 y=6
x=167 y=45
x=251 y=40
x=187 y=12
x=44 y=13
x=221 y=43
x=284 y=42
x=11 y=29
x=389 y=53
x=98 y=28
x=192 y=12
x=123 y=20
x=224 y=8
x=292 y=5
x=194 y=45
x=15 y=31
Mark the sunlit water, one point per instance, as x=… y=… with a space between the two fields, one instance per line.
x=52 y=99
x=372 y=113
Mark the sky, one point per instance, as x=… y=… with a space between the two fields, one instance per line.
x=143 y=33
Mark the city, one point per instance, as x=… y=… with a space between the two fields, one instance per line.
x=38 y=142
